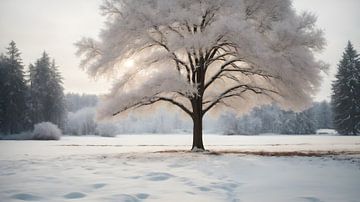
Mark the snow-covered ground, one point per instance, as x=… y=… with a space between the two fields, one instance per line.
x=158 y=168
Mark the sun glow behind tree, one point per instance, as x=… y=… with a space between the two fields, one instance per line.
x=205 y=55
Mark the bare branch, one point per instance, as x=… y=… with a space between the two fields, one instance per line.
x=152 y=100
x=109 y=8
x=213 y=78
x=230 y=93
x=176 y=31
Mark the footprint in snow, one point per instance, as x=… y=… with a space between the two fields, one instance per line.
x=124 y=198
x=158 y=176
x=225 y=186
x=142 y=196
x=204 y=188
x=26 y=197
x=74 y=195
x=311 y=199
x=98 y=185
x=176 y=165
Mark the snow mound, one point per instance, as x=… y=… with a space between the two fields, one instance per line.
x=326 y=132
x=46 y=131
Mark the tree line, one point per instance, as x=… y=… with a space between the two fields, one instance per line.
x=272 y=119
x=28 y=97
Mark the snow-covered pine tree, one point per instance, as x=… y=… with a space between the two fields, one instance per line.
x=39 y=74
x=47 y=96
x=13 y=92
x=346 y=93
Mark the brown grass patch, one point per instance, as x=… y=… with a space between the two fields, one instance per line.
x=269 y=153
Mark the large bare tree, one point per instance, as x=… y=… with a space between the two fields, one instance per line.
x=204 y=54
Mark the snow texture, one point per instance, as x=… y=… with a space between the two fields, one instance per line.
x=132 y=168
x=46 y=131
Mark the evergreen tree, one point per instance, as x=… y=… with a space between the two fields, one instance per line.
x=57 y=109
x=2 y=92
x=346 y=93
x=13 y=91
x=47 y=96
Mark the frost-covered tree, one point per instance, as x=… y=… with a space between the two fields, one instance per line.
x=346 y=93
x=201 y=55
x=47 y=96
x=270 y=116
x=323 y=115
x=304 y=123
x=270 y=119
x=229 y=123
x=250 y=125
x=13 y=91
x=81 y=122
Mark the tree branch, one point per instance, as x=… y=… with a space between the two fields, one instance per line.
x=230 y=93
x=213 y=78
x=153 y=100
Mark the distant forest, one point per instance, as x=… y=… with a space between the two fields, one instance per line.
x=264 y=119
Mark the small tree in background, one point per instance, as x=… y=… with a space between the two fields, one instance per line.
x=346 y=93
x=202 y=55
x=323 y=115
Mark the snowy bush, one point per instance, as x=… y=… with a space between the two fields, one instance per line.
x=46 y=131
x=106 y=129
x=81 y=122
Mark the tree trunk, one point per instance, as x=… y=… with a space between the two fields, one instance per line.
x=197 y=104
x=197 y=135
x=197 y=127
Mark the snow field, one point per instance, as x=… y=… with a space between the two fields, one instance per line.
x=130 y=168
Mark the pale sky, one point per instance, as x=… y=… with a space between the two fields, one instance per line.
x=55 y=25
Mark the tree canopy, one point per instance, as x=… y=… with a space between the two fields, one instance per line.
x=200 y=55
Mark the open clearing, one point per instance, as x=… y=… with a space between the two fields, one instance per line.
x=159 y=168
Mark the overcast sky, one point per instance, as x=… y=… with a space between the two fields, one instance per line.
x=55 y=25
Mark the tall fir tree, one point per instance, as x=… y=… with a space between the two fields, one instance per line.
x=47 y=96
x=3 y=75
x=346 y=93
x=13 y=91
x=58 y=109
